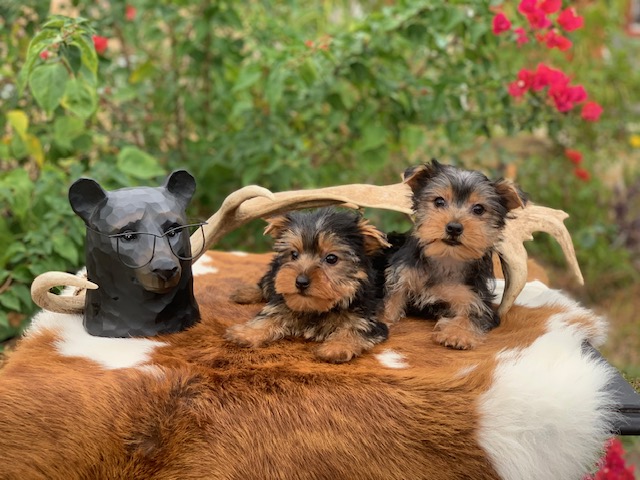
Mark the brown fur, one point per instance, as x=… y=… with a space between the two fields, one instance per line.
x=207 y=409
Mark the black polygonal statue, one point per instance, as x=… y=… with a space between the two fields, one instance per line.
x=138 y=252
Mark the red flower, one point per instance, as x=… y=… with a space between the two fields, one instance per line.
x=521 y=36
x=44 y=54
x=527 y=6
x=501 y=24
x=555 y=40
x=591 y=111
x=309 y=43
x=565 y=97
x=538 y=19
x=522 y=84
x=551 y=6
x=582 y=174
x=569 y=20
x=546 y=76
x=574 y=156
x=130 y=13
x=100 y=44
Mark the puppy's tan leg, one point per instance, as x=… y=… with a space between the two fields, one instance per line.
x=344 y=344
x=268 y=326
x=394 y=307
x=458 y=331
x=247 y=294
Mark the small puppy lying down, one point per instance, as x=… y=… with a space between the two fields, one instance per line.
x=320 y=285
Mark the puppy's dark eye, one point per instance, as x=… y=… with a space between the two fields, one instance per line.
x=294 y=255
x=331 y=259
x=439 y=202
x=477 y=209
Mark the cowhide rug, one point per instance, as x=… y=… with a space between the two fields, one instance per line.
x=529 y=403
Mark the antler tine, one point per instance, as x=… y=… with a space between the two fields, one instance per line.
x=59 y=303
x=513 y=255
x=253 y=202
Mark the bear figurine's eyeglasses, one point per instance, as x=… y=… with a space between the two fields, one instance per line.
x=136 y=249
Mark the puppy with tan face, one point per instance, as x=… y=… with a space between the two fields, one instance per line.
x=445 y=266
x=319 y=285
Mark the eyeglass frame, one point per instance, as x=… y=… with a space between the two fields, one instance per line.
x=117 y=236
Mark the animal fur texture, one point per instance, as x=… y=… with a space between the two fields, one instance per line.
x=444 y=268
x=319 y=285
x=528 y=403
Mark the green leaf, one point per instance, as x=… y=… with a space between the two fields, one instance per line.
x=10 y=301
x=88 y=52
x=48 y=83
x=19 y=121
x=73 y=56
x=66 y=129
x=80 y=98
x=142 y=72
x=138 y=164
x=373 y=136
x=40 y=42
x=248 y=76
x=64 y=246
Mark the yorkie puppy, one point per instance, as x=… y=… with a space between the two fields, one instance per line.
x=319 y=285
x=444 y=268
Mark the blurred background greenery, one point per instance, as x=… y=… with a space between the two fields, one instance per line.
x=289 y=95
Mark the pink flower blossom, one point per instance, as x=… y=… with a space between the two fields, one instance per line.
x=130 y=13
x=44 y=54
x=527 y=6
x=574 y=156
x=501 y=24
x=591 y=111
x=522 y=84
x=546 y=76
x=566 y=97
x=555 y=40
x=570 y=20
x=585 y=176
x=100 y=44
x=521 y=36
x=538 y=19
x=551 y=6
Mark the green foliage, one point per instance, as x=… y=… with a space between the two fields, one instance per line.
x=283 y=94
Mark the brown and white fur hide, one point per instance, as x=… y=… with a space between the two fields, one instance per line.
x=528 y=403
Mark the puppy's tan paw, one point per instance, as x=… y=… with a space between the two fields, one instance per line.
x=247 y=294
x=457 y=333
x=246 y=336
x=336 y=352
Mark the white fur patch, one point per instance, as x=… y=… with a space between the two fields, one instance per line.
x=391 y=359
x=238 y=253
x=550 y=394
x=463 y=372
x=203 y=266
x=74 y=341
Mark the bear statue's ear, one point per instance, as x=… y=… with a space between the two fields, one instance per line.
x=84 y=196
x=181 y=185
x=418 y=176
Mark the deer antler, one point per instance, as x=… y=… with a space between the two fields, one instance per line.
x=513 y=256
x=59 y=303
x=253 y=202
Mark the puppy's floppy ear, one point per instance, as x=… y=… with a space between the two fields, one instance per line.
x=374 y=239
x=181 y=185
x=512 y=196
x=85 y=195
x=417 y=176
x=276 y=226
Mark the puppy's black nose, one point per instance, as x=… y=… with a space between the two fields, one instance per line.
x=302 y=282
x=454 y=229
